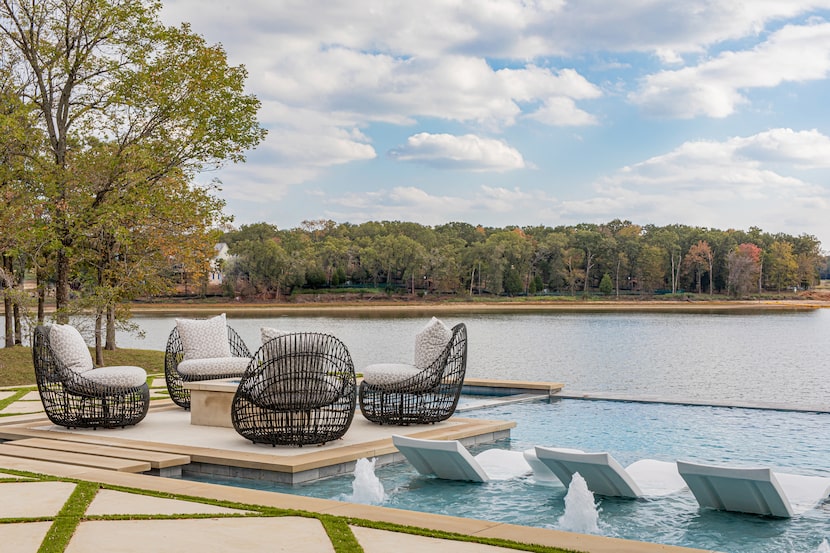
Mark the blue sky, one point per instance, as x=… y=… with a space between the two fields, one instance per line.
x=534 y=112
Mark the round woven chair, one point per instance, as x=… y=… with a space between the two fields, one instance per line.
x=429 y=396
x=74 y=400
x=299 y=389
x=174 y=354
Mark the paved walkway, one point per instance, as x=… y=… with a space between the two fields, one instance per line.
x=29 y=507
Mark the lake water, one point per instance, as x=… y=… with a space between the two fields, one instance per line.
x=781 y=357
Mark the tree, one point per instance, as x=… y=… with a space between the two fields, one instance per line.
x=650 y=262
x=781 y=266
x=606 y=285
x=699 y=259
x=591 y=242
x=107 y=77
x=18 y=215
x=744 y=264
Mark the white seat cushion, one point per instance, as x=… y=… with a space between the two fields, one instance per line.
x=271 y=333
x=204 y=338
x=310 y=391
x=70 y=348
x=216 y=366
x=389 y=376
x=430 y=343
x=117 y=376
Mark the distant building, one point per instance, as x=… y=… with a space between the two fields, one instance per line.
x=218 y=262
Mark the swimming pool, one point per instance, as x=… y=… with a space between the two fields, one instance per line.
x=786 y=441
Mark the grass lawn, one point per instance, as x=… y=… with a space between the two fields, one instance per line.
x=16 y=368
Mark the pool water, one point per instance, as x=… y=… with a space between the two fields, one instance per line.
x=785 y=441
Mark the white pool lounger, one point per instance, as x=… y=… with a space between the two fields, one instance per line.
x=605 y=476
x=758 y=491
x=450 y=460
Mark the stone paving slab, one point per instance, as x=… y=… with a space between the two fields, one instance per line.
x=33 y=499
x=111 y=502
x=380 y=541
x=24 y=537
x=23 y=407
x=251 y=535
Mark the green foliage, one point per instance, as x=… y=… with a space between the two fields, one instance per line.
x=123 y=112
x=606 y=285
x=460 y=259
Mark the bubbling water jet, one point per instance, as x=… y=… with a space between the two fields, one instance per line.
x=366 y=486
x=581 y=513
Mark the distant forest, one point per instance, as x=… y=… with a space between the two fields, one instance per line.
x=615 y=258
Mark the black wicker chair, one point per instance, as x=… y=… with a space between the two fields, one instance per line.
x=75 y=401
x=430 y=396
x=299 y=389
x=174 y=354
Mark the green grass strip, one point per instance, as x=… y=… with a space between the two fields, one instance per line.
x=65 y=524
x=341 y=536
x=18 y=393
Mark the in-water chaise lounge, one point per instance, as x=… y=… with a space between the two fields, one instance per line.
x=450 y=460
x=605 y=476
x=753 y=490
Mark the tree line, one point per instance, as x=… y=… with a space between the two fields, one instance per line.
x=614 y=258
x=106 y=116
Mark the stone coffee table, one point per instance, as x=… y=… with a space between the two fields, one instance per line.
x=210 y=401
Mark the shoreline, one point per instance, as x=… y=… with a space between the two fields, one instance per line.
x=382 y=308
x=385 y=308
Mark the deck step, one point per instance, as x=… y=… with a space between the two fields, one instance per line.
x=69 y=458
x=157 y=459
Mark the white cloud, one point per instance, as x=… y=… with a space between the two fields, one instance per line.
x=493 y=206
x=728 y=184
x=468 y=152
x=518 y=29
x=714 y=87
x=337 y=78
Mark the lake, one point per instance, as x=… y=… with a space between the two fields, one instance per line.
x=781 y=357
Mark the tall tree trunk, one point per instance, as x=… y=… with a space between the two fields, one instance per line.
x=99 y=351
x=62 y=286
x=18 y=328
x=5 y=286
x=711 y=276
x=41 y=296
x=9 y=320
x=110 y=345
x=589 y=264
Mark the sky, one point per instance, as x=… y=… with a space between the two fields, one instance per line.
x=706 y=113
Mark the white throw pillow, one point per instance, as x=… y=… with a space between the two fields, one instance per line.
x=430 y=343
x=204 y=338
x=271 y=333
x=70 y=348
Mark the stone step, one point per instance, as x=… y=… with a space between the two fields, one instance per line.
x=69 y=458
x=157 y=459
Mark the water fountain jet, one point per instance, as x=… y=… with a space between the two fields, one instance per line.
x=581 y=513
x=366 y=486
